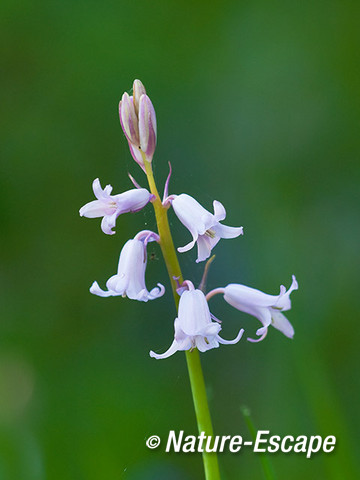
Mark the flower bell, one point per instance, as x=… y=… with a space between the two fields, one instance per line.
x=203 y=225
x=130 y=278
x=193 y=327
x=111 y=206
x=266 y=308
x=138 y=121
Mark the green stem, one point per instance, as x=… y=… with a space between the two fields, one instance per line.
x=202 y=411
x=197 y=383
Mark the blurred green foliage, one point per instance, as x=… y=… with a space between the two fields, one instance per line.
x=258 y=106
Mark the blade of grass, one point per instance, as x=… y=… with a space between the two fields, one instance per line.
x=268 y=470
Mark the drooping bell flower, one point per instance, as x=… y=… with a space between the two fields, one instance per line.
x=266 y=308
x=193 y=326
x=129 y=280
x=111 y=206
x=204 y=226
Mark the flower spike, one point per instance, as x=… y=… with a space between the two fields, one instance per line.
x=130 y=278
x=193 y=327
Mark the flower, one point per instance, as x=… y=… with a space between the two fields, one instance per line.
x=193 y=327
x=266 y=308
x=203 y=225
x=138 y=121
x=130 y=278
x=111 y=206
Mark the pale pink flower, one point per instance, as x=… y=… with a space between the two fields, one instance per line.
x=111 y=206
x=204 y=226
x=129 y=280
x=266 y=308
x=193 y=326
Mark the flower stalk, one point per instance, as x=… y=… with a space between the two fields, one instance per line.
x=196 y=329
x=196 y=376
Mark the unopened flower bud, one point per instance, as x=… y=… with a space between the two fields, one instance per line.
x=138 y=121
x=129 y=120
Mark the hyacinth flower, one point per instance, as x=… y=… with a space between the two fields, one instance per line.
x=204 y=226
x=266 y=308
x=193 y=326
x=129 y=280
x=138 y=121
x=196 y=329
x=111 y=206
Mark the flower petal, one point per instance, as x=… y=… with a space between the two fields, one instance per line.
x=174 y=347
x=243 y=297
x=95 y=209
x=187 y=247
x=204 y=248
x=230 y=342
x=193 y=314
x=99 y=193
x=147 y=126
x=256 y=340
x=284 y=303
x=96 y=290
x=181 y=342
x=129 y=120
x=142 y=296
x=219 y=211
x=223 y=231
x=203 y=343
x=210 y=329
x=108 y=223
x=131 y=200
x=190 y=213
x=156 y=292
x=280 y=322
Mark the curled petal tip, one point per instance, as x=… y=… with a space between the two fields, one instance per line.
x=256 y=340
x=157 y=292
x=261 y=331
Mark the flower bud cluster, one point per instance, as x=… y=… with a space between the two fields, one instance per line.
x=138 y=121
x=195 y=326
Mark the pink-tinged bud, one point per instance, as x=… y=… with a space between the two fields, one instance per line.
x=129 y=120
x=138 y=90
x=138 y=121
x=147 y=126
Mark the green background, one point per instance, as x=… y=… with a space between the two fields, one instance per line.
x=258 y=106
